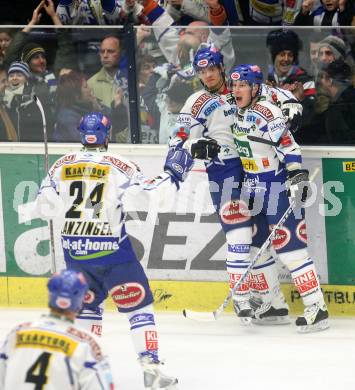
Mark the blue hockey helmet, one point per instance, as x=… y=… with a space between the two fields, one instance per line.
x=247 y=72
x=94 y=128
x=67 y=290
x=207 y=56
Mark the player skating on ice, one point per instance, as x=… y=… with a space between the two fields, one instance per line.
x=90 y=186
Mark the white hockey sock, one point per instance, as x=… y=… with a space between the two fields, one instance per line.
x=264 y=279
x=238 y=259
x=91 y=320
x=143 y=331
x=304 y=275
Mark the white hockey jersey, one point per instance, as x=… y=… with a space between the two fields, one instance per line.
x=87 y=190
x=210 y=115
x=53 y=354
x=264 y=121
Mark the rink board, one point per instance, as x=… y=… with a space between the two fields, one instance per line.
x=175 y=295
x=181 y=245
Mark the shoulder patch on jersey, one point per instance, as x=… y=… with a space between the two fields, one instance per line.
x=264 y=111
x=201 y=100
x=184 y=119
x=84 y=336
x=69 y=158
x=276 y=128
x=121 y=165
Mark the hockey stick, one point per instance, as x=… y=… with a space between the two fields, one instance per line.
x=46 y=168
x=263 y=141
x=211 y=316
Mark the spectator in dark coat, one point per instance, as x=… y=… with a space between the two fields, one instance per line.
x=339 y=119
x=74 y=100
x=7 y=128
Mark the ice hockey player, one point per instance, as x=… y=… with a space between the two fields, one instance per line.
x=52 y=352
x=210 y=113
x=90 y=187
x=273 y=177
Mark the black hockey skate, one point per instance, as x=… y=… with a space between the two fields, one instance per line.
x=154 y=379
x=314 y=319
x=244 y=311
x=267 y=314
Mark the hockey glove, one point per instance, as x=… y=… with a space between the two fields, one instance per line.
x=202 y=148
x=297 y=185
x=292 y=112
x=177 y=164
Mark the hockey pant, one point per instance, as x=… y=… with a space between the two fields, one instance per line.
x=129 y=289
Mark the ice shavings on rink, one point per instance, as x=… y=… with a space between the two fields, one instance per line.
x=224 y=355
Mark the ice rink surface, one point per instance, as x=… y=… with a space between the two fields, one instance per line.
x=224 y=355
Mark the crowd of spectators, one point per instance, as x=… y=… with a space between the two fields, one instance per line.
x=61 y=56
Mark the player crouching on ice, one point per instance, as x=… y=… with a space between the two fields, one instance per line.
x=273 y=177
x=92 y=187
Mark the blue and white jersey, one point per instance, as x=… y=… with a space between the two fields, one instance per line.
x=53 y=353
x=87 y=191
x=265 y=121
x=209 y=115
x=89 y=12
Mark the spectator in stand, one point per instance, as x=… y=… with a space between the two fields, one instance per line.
x=20 y=39
x=110 y=87
x=87 y=12
x=329 y=13
x=314 y=41
x=5 y=40
x=187 y=11
x=18 y=76
x=199 y=29
x=284 y=46
x=149 y=129
x=259 y=13
x=74 y=100
x=164 y=76
x=23 y=110
x=330 y=49
x=168 y=38
x=7 y=128
x=175 y=97
x=146 y=65
x=42 y=81
x=338 y=121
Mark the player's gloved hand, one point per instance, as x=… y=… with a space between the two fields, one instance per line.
x=202 y=148
x=292 y=112
x=177 y=164
x=297 y=185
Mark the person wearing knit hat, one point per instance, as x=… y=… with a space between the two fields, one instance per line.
x=17 y=77
x=18 y=73
x=35 y=56
x=284 y=46
x=283 y=40
x=330 y=49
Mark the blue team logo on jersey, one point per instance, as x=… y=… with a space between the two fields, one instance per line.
x=211 y=107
